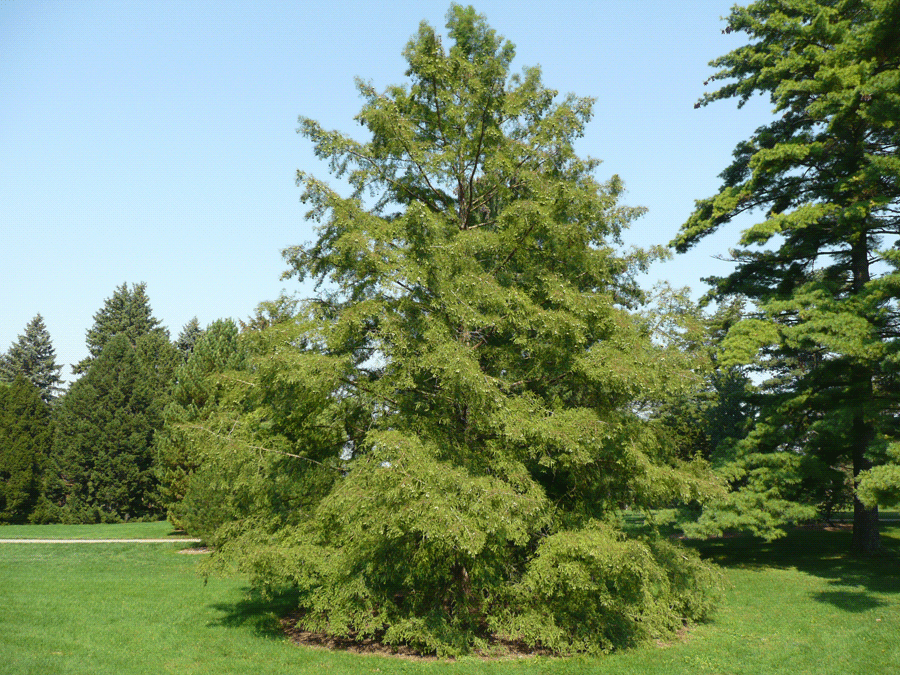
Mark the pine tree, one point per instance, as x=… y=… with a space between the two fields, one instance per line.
x=823 y=280
x=34 y=357
x=103 y=456
x=126 y=312
x=25 y=437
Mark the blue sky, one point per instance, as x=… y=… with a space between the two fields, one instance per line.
x=156 y=141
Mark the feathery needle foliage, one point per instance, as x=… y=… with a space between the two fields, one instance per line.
x=435 y=451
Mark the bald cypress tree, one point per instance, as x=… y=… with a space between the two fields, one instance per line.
x=470 y=388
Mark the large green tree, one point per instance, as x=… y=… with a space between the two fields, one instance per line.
x=103 y=462
x=127 y=312
x=819 y=266
x=33 y=356
x=473 y=380
x=25 y=436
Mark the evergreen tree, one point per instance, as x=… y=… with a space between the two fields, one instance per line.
x=103 y=459
x=467 y=398
x=126 y=313
x=187 y=338
x=199 y=393
x=34 y=357
x=823 y=279
x=25 y=437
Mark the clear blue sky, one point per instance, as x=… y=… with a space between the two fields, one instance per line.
x=155 y=141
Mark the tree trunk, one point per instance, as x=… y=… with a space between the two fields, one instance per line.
x=866 y=535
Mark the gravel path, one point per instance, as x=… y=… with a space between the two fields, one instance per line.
x=100 y=541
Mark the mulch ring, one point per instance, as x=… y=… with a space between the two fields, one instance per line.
x=196 y=551
x=499 y=649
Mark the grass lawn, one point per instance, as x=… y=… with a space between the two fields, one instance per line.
x=159 y=530
x=794 y=606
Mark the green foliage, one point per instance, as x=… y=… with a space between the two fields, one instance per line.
x=198 y=391
x=126 y=312
x=705 y=420
x=413 y=449
x=880 y=485
x=25 y=437
x=34 y=357
x=187 y=338
x=103 y=460
x=593 y=587
x=261 y=447
x=822 y=329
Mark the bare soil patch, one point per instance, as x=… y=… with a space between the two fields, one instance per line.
x=827 y=527
x=500 y=649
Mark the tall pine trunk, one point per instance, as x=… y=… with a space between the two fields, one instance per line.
x=866 y=535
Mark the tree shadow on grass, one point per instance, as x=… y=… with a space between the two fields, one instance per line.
x=849 y=601
x=820 y=553
x=259 y=614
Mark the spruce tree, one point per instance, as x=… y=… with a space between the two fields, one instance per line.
x=819 y=266
x=187 y=338
x=34 y=357
x=25 y=438
x=127 y=312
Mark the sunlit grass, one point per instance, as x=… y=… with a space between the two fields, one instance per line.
x=794 y=606
x=159 y=530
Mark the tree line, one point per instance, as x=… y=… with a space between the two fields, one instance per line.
x=86 y=454
x=439 y=448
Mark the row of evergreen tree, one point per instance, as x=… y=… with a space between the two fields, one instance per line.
x=86 y=454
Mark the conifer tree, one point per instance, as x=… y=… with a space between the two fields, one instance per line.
x=471 y=384
x=127 y=312
x=187 y=338
x=198 y=394
x=103 y=459
x=824 y=276
x=34 y=357
x=25 y=437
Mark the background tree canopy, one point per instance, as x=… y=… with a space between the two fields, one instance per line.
x=25 y=437
x=127 y=312
x=102 y=467
x=465 y=404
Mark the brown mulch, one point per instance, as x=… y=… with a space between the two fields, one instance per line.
x=500 y=649
x=196 y=551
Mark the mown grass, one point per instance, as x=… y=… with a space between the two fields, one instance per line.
x=795 y=606
x=159 y=530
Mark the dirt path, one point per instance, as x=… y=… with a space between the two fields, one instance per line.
x=99 y=541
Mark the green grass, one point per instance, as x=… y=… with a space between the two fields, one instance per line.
x=158 y=530
x=794 y=606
